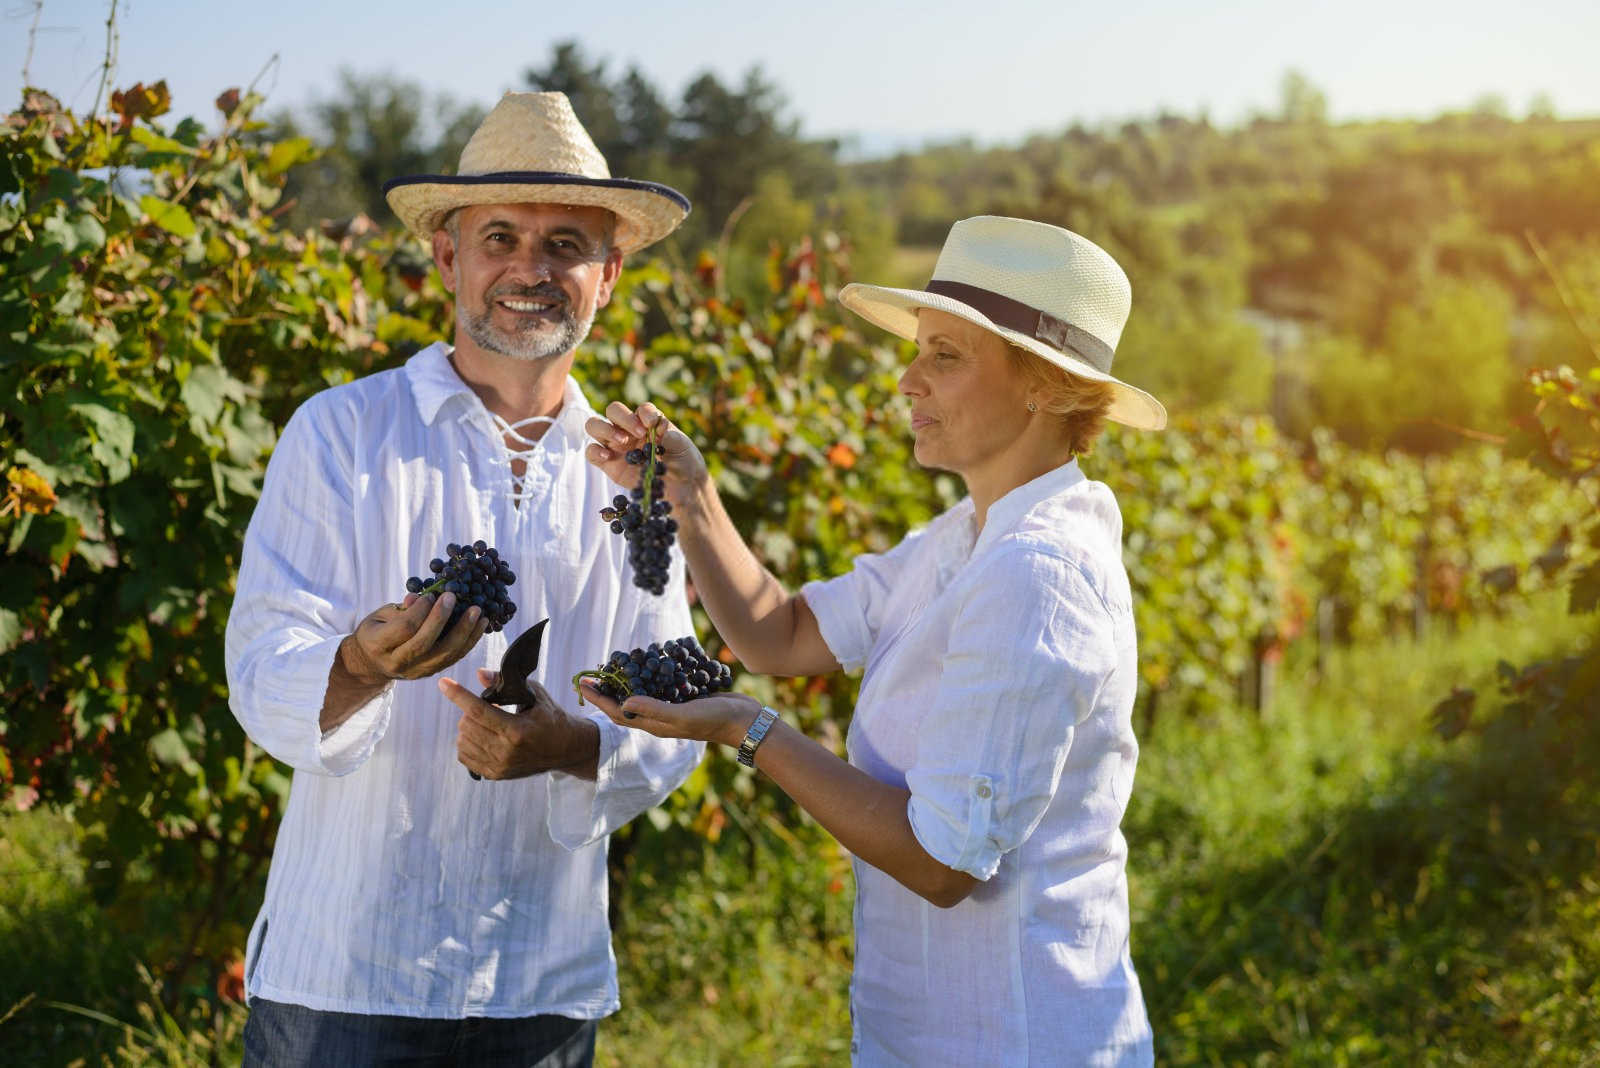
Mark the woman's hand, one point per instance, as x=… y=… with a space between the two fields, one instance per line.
x=624 y=429
x=724 y=718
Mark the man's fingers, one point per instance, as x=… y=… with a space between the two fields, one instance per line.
x=487 y=678
x=414 y=649
x=455 y=642
x=398 y=628
x=471 y=751
x=458 y=694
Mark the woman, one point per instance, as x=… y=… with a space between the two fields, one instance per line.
x=991 y=752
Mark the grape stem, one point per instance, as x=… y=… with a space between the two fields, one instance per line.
x=616 y=678
x=649 y=470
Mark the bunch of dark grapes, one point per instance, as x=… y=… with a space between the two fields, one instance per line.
x=674 y=671
x=643 y=518
x=477 y=576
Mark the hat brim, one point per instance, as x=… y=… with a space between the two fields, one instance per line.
x=896 y=311
x=646 y=211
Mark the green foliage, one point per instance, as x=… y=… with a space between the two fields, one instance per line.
x=1562 y=435
x=159 y=327
x=371 y=129
x=734 y=943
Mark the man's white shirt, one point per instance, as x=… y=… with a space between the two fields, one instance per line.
x=398 y=884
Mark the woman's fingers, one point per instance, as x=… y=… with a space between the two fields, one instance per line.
x=592 y=694
x=607 y=434
x=650 y=416
x=624 y=419
x=611 y=707
x=639 y=707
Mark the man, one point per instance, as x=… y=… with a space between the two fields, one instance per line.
x=411 y=912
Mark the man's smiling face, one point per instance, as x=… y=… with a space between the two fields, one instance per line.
x=528 y=278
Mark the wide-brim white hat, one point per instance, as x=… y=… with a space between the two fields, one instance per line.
x=532 y=149
x=1042 y=288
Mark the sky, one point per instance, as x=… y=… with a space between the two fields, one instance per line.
x=886 y=75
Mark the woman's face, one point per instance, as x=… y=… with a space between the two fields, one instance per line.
x=968 y=403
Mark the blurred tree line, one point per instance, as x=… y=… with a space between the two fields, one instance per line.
x=754 y=180
x=1375 y=278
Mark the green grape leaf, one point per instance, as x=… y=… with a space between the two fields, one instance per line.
x=157 y=143
x=10 y=630
x=286 y=154
x=168 y=747
x=113 y=439
x=173 y=218
x=205 y=391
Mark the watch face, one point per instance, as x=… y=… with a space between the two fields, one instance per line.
x=752 y=738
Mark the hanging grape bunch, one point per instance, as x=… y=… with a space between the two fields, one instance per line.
x=477 y=576
x=643 y=518
x=674 y=671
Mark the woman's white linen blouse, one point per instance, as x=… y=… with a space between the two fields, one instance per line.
x=999 y=689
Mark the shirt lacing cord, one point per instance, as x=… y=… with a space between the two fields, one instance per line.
x=507 y=455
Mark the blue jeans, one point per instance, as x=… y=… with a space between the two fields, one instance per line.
x=279 y=1035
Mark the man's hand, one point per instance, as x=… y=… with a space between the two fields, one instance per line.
x=541 y=736
x=398 y=641
x=409 y=641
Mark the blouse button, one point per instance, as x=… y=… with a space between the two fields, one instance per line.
x=982 y=790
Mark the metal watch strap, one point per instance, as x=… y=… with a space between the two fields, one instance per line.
x=752 y=737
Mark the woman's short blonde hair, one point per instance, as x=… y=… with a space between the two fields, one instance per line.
x=1079 y=404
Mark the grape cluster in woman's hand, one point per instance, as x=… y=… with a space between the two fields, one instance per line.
x=674 y=671
x=477 y=576
x=643 y=518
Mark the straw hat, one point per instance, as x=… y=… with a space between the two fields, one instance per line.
x=532 y=149
x=1040 y=287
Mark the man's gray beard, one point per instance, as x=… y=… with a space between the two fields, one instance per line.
x=541 y=346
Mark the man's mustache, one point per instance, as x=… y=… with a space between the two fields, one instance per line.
x=547 y=291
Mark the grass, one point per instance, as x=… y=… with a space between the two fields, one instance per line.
x=1332 y=884
x=1339 y=886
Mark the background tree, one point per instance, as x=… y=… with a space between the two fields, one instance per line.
x=370 y=129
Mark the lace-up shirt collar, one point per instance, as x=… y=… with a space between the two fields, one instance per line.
x=441 y=393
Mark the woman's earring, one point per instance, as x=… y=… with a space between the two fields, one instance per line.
x=1032 y=407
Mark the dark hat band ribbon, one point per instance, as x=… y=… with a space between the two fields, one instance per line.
x=1026 y=319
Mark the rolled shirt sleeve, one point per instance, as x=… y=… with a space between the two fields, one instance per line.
x=293 y=605
x=1030 y=650
x=636 y=770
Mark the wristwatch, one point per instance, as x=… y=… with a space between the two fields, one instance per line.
x=752 y=737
